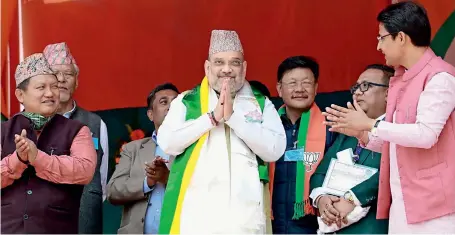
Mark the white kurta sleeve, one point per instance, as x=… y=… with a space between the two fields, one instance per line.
x=266 y=139
x=176 y=134
x=436 y=104
x=105 y=158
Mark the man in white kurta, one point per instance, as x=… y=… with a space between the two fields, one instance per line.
x=225 y=194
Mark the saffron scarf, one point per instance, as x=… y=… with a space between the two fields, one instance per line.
x=197 y=104
x=311 y=136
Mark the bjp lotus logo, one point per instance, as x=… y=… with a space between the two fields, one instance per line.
x=310 y=158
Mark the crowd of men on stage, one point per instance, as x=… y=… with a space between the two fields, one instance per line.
x=223 y=159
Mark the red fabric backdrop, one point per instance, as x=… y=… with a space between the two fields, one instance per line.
x=125 y=48
x=9 y=36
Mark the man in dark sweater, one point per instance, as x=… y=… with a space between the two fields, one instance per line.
x=46 y=158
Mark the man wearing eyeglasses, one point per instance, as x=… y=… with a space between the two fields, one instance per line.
x=64 y=65
x=370 y=92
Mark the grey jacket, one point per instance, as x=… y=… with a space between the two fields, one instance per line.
x=126 y=184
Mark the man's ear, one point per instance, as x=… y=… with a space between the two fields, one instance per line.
x=19 y=95
x=206 y=67
x=278 y=89
x=150 y=114
x=402 y=38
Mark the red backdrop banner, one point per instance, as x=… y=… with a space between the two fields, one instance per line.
x=9 y=37
x=125 y=48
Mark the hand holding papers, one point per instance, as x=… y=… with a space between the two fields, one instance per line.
x=357 y=214
x=342 y=175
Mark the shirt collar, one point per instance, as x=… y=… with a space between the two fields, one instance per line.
x=381 y=117
x=154 y=137
x=69 y=113
x=287 y=123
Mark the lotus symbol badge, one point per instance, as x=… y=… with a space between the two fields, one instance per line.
x=310 y=158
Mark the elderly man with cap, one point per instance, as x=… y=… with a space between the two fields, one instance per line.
x=64 y=65
x=46 y=158
x=221 y=133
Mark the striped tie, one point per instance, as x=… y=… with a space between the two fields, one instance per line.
x=357 y=152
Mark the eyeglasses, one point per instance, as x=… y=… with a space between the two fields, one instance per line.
x=381 y=38
x=364 y=86
x=294 y=84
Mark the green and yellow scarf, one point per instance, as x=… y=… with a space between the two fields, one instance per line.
x=197 y=104
x=311 y=136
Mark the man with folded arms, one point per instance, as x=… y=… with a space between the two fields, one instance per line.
x=370 y=92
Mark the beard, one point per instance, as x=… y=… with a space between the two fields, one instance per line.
x=234 y=85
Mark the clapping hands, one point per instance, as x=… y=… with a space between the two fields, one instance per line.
x=25 y=148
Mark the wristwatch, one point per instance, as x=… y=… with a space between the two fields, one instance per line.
x=348 y=196
x=374 y=129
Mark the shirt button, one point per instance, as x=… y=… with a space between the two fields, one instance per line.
x=29 y=192
x=25 y=217
x=142 y=220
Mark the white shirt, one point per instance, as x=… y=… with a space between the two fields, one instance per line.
x=225 y=187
